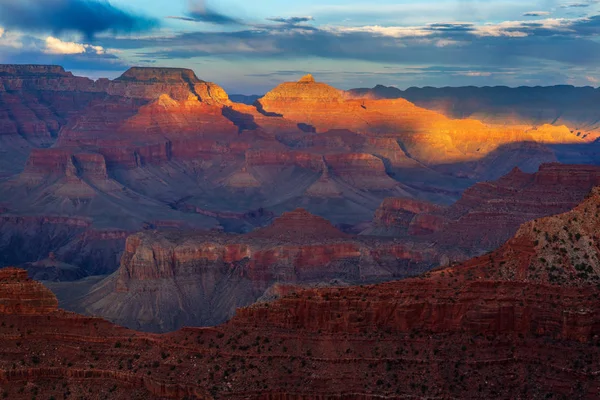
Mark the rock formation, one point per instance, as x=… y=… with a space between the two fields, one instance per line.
x=169 y=280
x=235 y=270
x=520 y=322
x=162 y=148
x=560 y=105
x=489 y=213
x=428 y=136
x=21 y=296
x=396 y=216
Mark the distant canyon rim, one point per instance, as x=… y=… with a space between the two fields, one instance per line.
x=112 y=188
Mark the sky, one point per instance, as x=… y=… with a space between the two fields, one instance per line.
x=248 y=47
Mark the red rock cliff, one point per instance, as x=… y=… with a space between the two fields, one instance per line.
x=520 y=322
x=22 y=296
x=202 y=277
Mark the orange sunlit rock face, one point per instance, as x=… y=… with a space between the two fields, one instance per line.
x=429 y=136
x=534 y=106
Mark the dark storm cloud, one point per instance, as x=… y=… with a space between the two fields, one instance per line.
x=199 y=12
x=536 y=14
x=291 y=20
x=88 y=17
x=585 y=4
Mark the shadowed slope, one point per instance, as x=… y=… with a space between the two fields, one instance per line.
x=499 y=326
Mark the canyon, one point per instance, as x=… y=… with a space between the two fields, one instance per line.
x=171 y=242
x=160 y=148
x=503 y=204
x=168 y=280
x=519 y=322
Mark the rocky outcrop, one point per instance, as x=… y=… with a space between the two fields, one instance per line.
x=504 y=204
x=299 y=225
x=59 y=248
x=37 y=100
x=513 y=200
x=428 y=136
x=64 y=162
x=168 y=280
x=520 y=322
x=177 y=83
x=22 y=296
x=362 y=171
x=46 y=341
x=397 y=216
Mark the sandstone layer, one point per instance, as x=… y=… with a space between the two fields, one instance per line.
x=169 y=280
x=520 y=322
x=489 y=213
x=160 y=148
x=568 y=105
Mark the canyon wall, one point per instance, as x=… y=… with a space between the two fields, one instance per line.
x=169 y=280
x=519 y=322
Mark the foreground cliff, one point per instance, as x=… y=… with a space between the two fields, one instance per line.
x=174 y=279
x=50 y=353
x=520 y=322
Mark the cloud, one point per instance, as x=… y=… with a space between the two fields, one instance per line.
x=198 y=11
x=520 y=42
x=21 y=48
x=291 y=20
x=540 y=51
x=585 y=4
x=57 y=46
x=10 y=39
x=72 y=56
x=537 y=13
x=475 y=74
x=391 y=31
x=88 y=17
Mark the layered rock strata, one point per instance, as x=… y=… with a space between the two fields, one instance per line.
x=520 y=322
x=169 y=280
x=503 y=204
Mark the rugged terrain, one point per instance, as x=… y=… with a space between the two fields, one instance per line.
x=175 y=279
x=170 y=279
x=520 y=322
x=559 y=105
x=488 y=213
x=160 y=148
